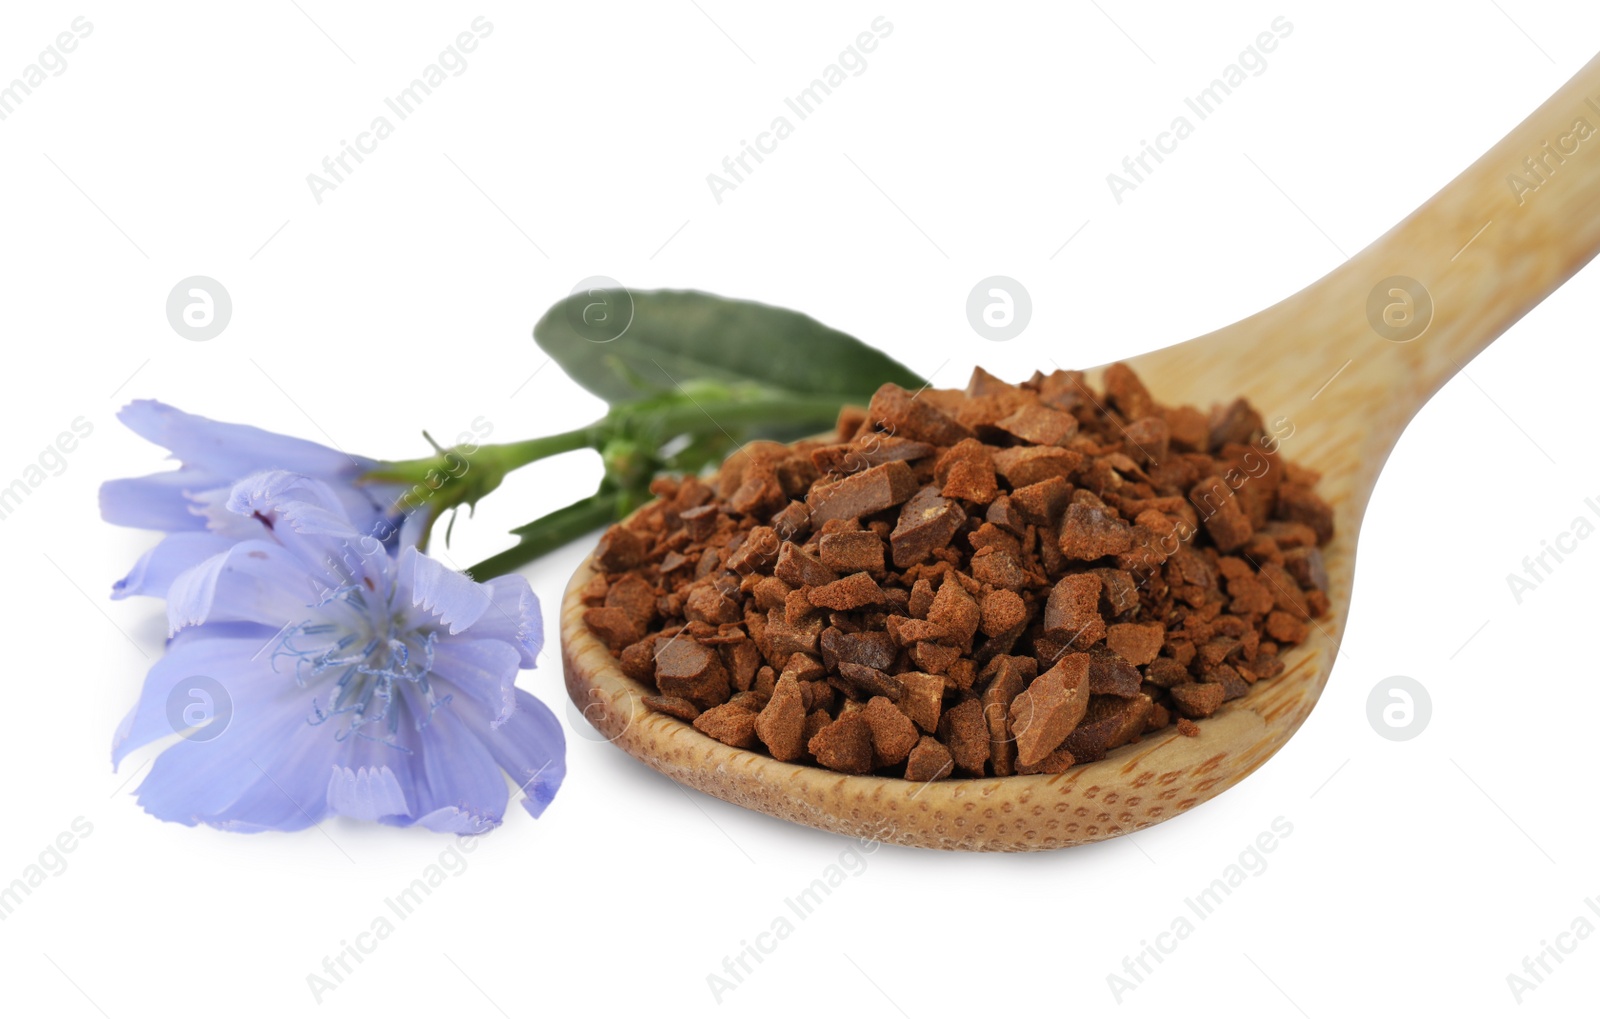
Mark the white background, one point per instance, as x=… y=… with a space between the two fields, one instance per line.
x=976 y=142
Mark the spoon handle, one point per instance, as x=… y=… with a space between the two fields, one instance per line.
x=1494 y=242
x=1350 y=359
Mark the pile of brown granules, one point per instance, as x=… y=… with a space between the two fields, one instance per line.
x=997 y=581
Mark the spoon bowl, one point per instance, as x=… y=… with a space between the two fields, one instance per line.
x=1346 y=363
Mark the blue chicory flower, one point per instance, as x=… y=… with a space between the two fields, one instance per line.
x=346 y=679
x=189 y=503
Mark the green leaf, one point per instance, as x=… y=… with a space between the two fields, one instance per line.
x=674 y=336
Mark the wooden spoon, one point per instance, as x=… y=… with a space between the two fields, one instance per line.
x=1348 y=361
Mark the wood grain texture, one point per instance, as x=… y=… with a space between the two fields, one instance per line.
x=1485 y=250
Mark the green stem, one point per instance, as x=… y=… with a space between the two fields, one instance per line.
x=498 y=459
x=512 y=455
x=778 y=414
x=550 y=532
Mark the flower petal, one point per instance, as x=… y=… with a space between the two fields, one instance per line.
x=157 y=502
x=252 y=582
x=485 y=670
x=229 y=655
x=291 y=793
x=452 y=598
x=529 y=746
x=513 y=616
x=459 y=787
x=306 y=517
x=414 y=526
x=155 y=571
x=265 y=745
x=230 y=450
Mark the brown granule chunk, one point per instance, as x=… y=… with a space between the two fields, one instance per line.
x=688 y=669
x=1072 y=612
x=1001 y=611
x=1053 y=763
x=873 y=649
x=804 y=668
x=964 y=731
x=1028 y=465
x=1006 y=580
x=760 y=495
x=636 y=597
x=955 y=613
x=1011 y=676
x=904 y=631
x=743 y=661
x=613 y=626
x=1119 y=591
x=1188 y=427
x=677 y=707
x=998 y=568
x=1218 y=506
x=1108 y=723
x=729 y=723
x=1110 y=673
x=921 y=696
x=638 y=660
x=1286 y=628
x=1126 y=393
x=757 y=553
x=1092 y=532
x=1139 y=643
x=927 y=523
x=708 y=604
x=1197 y=700
x=620 y=549
x=1040 y=425
x=781 y=724
x=798 y=568
x=1150 y=438
x=893 y=735
x=845 y=744
x=1286 y=593
x=870 y=450
x=852 y=552
x=1233 y=684
x=1042 y=502
x=862 y=681
x=1042 y=715
x=966 y=471
x=1305 y=565
x=860 y=495
x=1299 y=504
x=899 y=412
x=853 y=592
x=1249 y=596
x=1166 y=672
x=931 y=657
x=817 y=719
x=1236 y=423
x=929 y=760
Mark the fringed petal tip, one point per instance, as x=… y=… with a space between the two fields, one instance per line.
x=514 y=617
x=454 y=599
x=455 y=821
x=366 y=794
